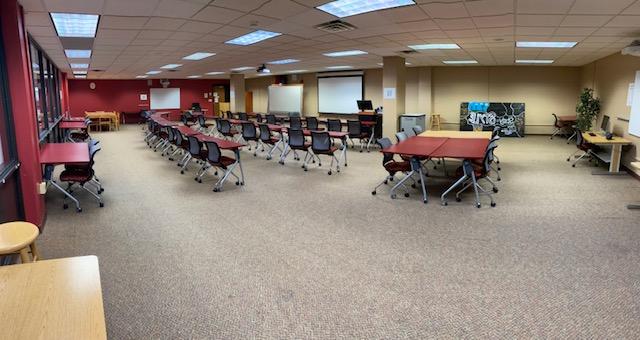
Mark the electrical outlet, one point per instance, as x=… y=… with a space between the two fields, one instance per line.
x=42 y=188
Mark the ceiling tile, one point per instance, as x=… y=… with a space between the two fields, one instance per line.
x=179 y=8
x=439 y=10
x=217 y=15
x=130 y=8
x=280 y=9
x=599 y=6
x=586 y=20
x=625 y=21
x=199 y=27
x=121 y=22
x=489 y=7
x=164 y=23
x=240 y=5
x=494 y=21
x=74 y=6
x=544 y=6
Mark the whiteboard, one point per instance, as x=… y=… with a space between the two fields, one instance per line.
x=162 y=98
x=339 y=94
x=634 y=119
x=285 y=99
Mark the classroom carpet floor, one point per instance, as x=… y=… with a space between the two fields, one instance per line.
x=304 y=255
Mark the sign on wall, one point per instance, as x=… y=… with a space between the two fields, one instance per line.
x=485 y=116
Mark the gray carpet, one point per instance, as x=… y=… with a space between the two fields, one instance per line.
x=306 y=255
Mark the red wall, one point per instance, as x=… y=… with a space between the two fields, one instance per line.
x=22 y=108
x=124 y=95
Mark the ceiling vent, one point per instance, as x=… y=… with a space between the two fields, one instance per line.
x=408 y=52
x=335 y=26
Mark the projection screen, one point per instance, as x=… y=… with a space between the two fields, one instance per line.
x=339 y=94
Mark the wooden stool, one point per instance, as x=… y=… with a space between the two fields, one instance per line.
x=434 y=123
x=18 y=237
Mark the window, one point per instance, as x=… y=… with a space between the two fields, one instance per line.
x=46 y=91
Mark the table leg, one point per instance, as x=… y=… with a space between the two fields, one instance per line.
x=469 y=167
x=443 y=197
x=415 y=164
x=343 y=153
x=237 y=152
x=633 y=206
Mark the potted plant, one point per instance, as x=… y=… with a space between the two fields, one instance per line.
x=588 y=109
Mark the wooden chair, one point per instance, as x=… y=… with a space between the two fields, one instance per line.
x=19 y=237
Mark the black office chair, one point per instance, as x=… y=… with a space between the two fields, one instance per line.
x=195 y=152
x=334 y=125
x=181 y=144
x=271 y=119
x=296 y=142
x=230 y=115
x=171 y=139
x=480 y=171
x=312 y=123
x=224 y=128
x=401 y=136
x=295 y=123
x=204 y=126
x=249 y=134
x=354 y=127
x=391 y=166
x=266 y=140
x=321 y=144
x=214 y=158
x=243 y=116
x=81 y=175
x=559 y=127
x=259 y=117
x=587 y=149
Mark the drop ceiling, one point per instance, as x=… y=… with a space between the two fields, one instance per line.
x=136 y=36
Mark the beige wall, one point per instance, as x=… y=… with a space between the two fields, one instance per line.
x=610 y=77
x=544 y=90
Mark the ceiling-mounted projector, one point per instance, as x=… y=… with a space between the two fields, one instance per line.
x=263 y=69
x=633 y=49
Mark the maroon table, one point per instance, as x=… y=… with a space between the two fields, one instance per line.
x=73 y=125
x=52 y=154
x=187 y=131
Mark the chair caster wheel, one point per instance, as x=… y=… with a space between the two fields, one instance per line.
x=406 y=194
x=195 y=179
x=478 y=205
x=314 y=162
x=268 y=158
x=238 y=183
x=458 y=199
x=79 y=210
x=568 y=159
x=493 y=204
x=385 y=182
x=281 y=162
x=393 y=196
x=424 y=201
x=101 y=205
x=305 y=169
x=413 y=186
x=171 y=159
x=373 y=193
x=445 y=203
x=345 y=165
x=499 y=169
x=499 y=179
x=573 y=165
x=65 y=206
x=435 y=168
x=329 y=173
x=241 y=183
x=101 y=190
x=181 y=172
x=360 y=151
x=495 y=190
x=215 y=190
x=255 y=155
x=302 y=166
x=199 y=180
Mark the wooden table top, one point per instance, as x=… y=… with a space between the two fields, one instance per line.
x=53 y=299
x=602 y=140
x=457 y=134
x=73 y=125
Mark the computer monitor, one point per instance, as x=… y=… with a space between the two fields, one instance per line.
x=195 y=107
x=605 y=123
x=365 y=105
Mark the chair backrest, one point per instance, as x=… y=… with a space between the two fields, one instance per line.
x=202 y=121
x=579 y=138
x=179 y=138
x=312 y=123
x=184 y=119
x=213 y=152
x=354 y=127
x=555 y=120
x=259 y=117
x=248 y=131
x=229 y=115
x=194 y=145
x=271 y=119
x=417 y=129
x=495 y=132
x=243 y=116
x=401 y=136
x=334 y=125
x=295 y=123
x=296 y=137
x=488 y=158
x=170 y=133
x=265 y=133
x=320 y=141
x=224 y=126
x=385 y=143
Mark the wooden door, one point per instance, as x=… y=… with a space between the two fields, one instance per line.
x=248 y=101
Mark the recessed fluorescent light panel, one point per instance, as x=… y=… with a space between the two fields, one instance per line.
x=75 y=25
x=79 y=76
x=199 y=56
x=406 y=64
x=338 y=67
x=534 y=61
x=297 y=71
x=194 y=76
x=75 y=54
x=141 y=77
x=283 y=61
x=79 y=65
x=435 y=47
x=459 y=62
x=345 y=8
x=214 y=73
x=252 y=38
x=546 y=44
x=80 y=72
x=170 y=66
x=154 y=72
x=344 y=53
x=238 y=69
